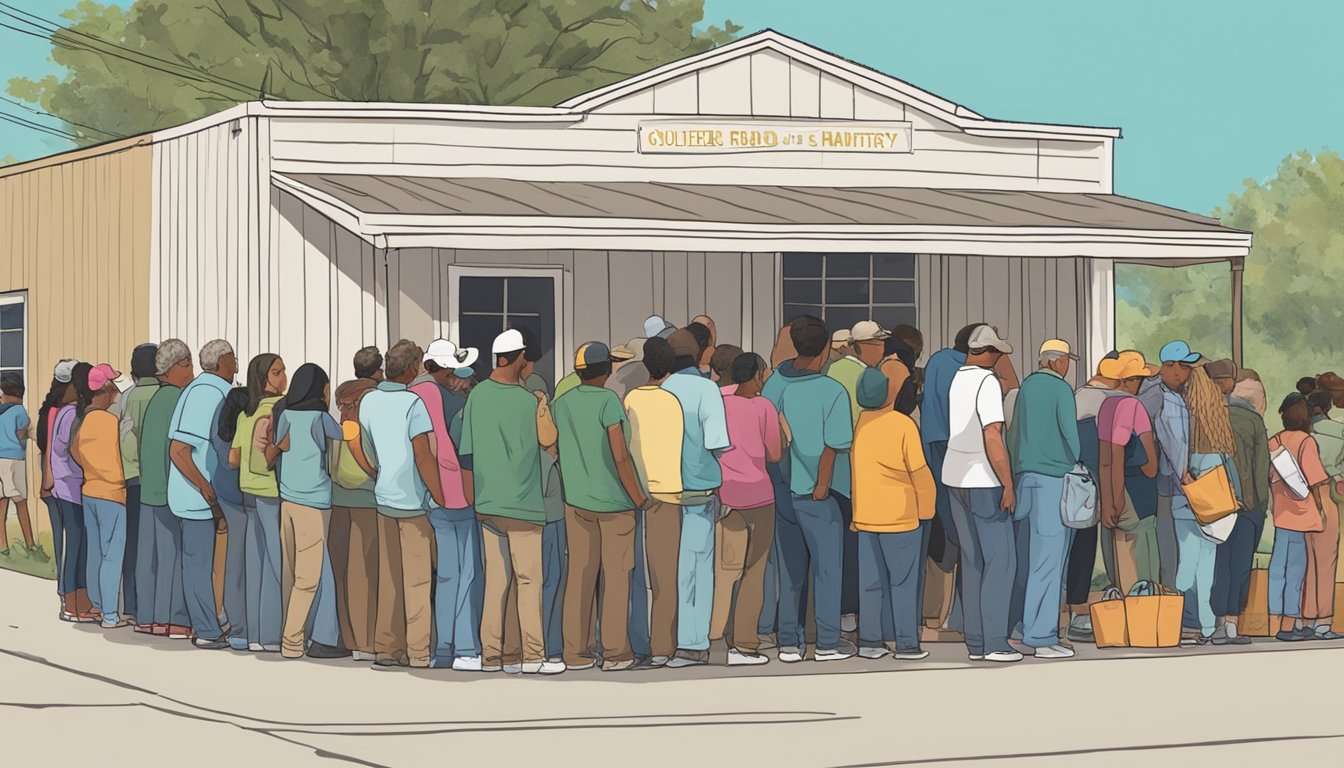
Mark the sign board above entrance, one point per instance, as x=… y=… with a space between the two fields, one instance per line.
x=721 y=137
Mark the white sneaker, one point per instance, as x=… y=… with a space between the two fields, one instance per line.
x=849 y=622
x=491 y=668
x=910 y=655
x=267 y=648
x=513 y=669
x=358 y=655
x=467 y=664
x=868 y=652
x=679 y=661
x=845 y=651
x=738 y=658
x=1003 y=657
x=659 y=661
x=575 y=667
x=254 y=647
x=790 y=654
x=1054 y=652
x=541 y=667
x=976 y=657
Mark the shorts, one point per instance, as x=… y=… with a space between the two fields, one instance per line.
x=13 y=479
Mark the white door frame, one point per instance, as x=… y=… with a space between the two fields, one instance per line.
x=560 y=281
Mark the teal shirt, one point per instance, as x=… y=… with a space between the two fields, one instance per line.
x=390 y=418
x=846 y=371
x=304 y=478
x=154 y=446
x=195 y=419
x=816 y=408
x=1043 y=436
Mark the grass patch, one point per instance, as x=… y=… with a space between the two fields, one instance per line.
x=38 y=562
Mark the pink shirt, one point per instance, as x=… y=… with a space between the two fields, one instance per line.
x=450 y=472
x=1122 y=417
x=753 y=424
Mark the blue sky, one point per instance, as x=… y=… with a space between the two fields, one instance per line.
x=1208 y=92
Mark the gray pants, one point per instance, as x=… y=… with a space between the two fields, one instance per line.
x=889 y=572
x=198 y=582
x=235 y=574
x=145 y=563
x=1168 y=550
x=170 y=603
x=988 y=565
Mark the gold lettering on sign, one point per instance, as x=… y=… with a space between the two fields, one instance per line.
x=711 y=137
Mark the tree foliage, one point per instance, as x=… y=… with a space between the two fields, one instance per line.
x=499 y=52
x=1294 y=305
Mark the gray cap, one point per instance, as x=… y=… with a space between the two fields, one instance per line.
x=64 y=371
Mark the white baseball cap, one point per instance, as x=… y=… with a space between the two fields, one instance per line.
x=985 y=337
x=445 y=354
x=655 y=325
x=867 y=330
x=508 y=341
x=64 y=371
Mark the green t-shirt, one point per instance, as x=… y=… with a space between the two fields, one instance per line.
x=567 y=384
x=846 y=371
x=587 y=467
x=154 y=446
x=499 y=434
x=253 y=476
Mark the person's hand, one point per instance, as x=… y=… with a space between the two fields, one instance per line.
x=820 y=493
x=221 y=525
x=208 y=493
x=1009 y=499
x=1187 y=479
x=1110 y=515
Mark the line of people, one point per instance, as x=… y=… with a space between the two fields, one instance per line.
x=674 y=492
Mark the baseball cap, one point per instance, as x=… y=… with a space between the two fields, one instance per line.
x=100 y=375
x=591 y=353
x=1178 y=352
x=1129 y=364
x=464 y=373
x=1058 y=345
x=683 y=343
x=655 y=325
x=987 y=337
x=867 y=330
x=508 y=341
x=871 y=390
x=841 y=337
x=1221 y=369
x=64 y=371
x=622 y=352
x=445 y=354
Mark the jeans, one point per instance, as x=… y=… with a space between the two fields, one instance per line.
x=57 y=534
x=146 y=559
x=73 y=564
x=1232 y=565
x=170 y=602
x=105 y=522
x=889 y=574
x=695 y=576
x=1082 y=560
x=324 y=623
x=1042 y=550
x=988 y=562
x=198 y=583
x=809 y=533
x=458 y=584
x=1287 y=573
x=1194 y=570
x=235 y=574
x=849 y=559
x=130 y=598
x=1168 y=548
x=262 y=571
x=554 y=569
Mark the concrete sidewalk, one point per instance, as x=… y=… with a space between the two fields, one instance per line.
x=77 y=687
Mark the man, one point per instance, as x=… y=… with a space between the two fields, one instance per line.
x=980 y=486
x=1162 y=399
x=704 y=339
x=839 y=347
x=1232 y=564
x=1318 y=605
x=501 y=472
x=810 y=530
x=630 y=374
x=1043 y=446
x=140 y=558
x=721 y=367
x=704 y=438
x=397 y=435
x=554 y=543
x=172 y=365
x=14 y=424
x=709 y=325
x=457 y=535
x=657 y=432
x=572 y=380
x=369 y=364
x=190 y=495
x=602 y=494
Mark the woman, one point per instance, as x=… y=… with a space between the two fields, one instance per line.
x=97 y=449
x=70 y=582
x=1294 y=518
x=352 y=537
x=230 y=496
x=266 y=382
x=303 y=430
x=63 y=480
x=1211 y=445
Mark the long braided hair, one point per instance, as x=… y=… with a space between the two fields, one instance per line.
x=1210 y=426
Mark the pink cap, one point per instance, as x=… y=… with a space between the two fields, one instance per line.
x=100 y=376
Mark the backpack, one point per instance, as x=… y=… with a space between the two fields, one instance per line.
x=1288 y=468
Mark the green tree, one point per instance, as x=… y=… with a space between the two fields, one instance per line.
x=178 y=61
x=1294 y=305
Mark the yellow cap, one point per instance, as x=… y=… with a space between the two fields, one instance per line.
x=1060 y=346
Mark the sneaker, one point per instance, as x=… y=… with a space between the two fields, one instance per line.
x=388 y=663
x=1239 y=640
x=356 y=655
x=490 y=668
x=467 y=664
x=237 y=643
x=869 y=652
x=581 y=666
x=1003 y=657
x=658 y=661
x=514 y=669
x=318 y=650
x=1080 y=629
x=688 y=659
x=839 y=653
x=218 y=643
x=1328 y=634
x=792 y=654
x=618 y=666
x=116 y=624
x=738 y=658
x=254 y=647
x=178 y=632
x=976 y=656
x=270 y=648
x=1291 y=636
x=1054 y=652
x=1220 y=636
x=849 y=622
x=913 y=655
x=539 y=667
x=1306 y=633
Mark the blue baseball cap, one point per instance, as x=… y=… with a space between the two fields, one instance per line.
x=464 y=373
x=590 y=354
x=871 y=391
x=1178 y=352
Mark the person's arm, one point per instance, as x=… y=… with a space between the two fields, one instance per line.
x=1112 y=483
x=825 y=468
x=428 y=467
x=282 y=434
x=926 y=491
x=1066 y=412
x=464 y=454
x=1007 y=375
x=625 y=468
x=547 y=434
x=353 y=437
x=714 y=424
x=774 y=440
x=180 y=454
x=998 y=459
x=1149 y=468
x=1260 y=467
x=1171 y=443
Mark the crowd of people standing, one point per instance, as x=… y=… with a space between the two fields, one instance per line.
x=674 y=491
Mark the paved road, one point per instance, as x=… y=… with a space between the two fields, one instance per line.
x=74 y=695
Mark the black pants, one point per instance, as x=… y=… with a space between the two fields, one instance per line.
x=129 y=605
x=1082 y=559
x=849 y=574
x=1232 y=565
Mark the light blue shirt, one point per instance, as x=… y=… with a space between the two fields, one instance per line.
x=706 y=433
x=816 y=408
x=304 y=477
x=1172 y=428
x=934 y=416
x=195 y=419
x=390 y=417
x=11 y=421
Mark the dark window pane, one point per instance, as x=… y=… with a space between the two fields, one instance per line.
x=11 y=349
x=894 y=265
x=890 y=317
x=530 y=294
x=893 y=292
x=11 y=317
x=845 y=317
x=846 y=292
x=847 y=264
x=792 y=311
x=802 y=291
x=481 y=294
x=479 y=331
x=802 y=264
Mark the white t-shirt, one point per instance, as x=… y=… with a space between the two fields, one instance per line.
x=974 y=402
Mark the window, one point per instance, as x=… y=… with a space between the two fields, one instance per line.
x=13 y=327
x=487 y=302
x=844 y=288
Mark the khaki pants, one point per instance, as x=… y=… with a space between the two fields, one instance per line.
x=1318 y=594
x=662 y=547
x=513 y=578
x=1129 y=551
x=742 y=548
x=599 y=542
x=405 y=618
x=352 y=541
x=303 y=533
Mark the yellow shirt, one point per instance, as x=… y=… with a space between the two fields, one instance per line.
x=893 y=487
x=253 y=476
x=656 y=433
x=97 y=448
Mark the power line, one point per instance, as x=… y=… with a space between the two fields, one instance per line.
x=19 y=121
x=21 y=105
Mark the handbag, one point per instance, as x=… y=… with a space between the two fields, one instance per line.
x=1078 y=503
x=1211 y=496
x=1289 y=470
x=1153 y=616
x=1108 y=620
